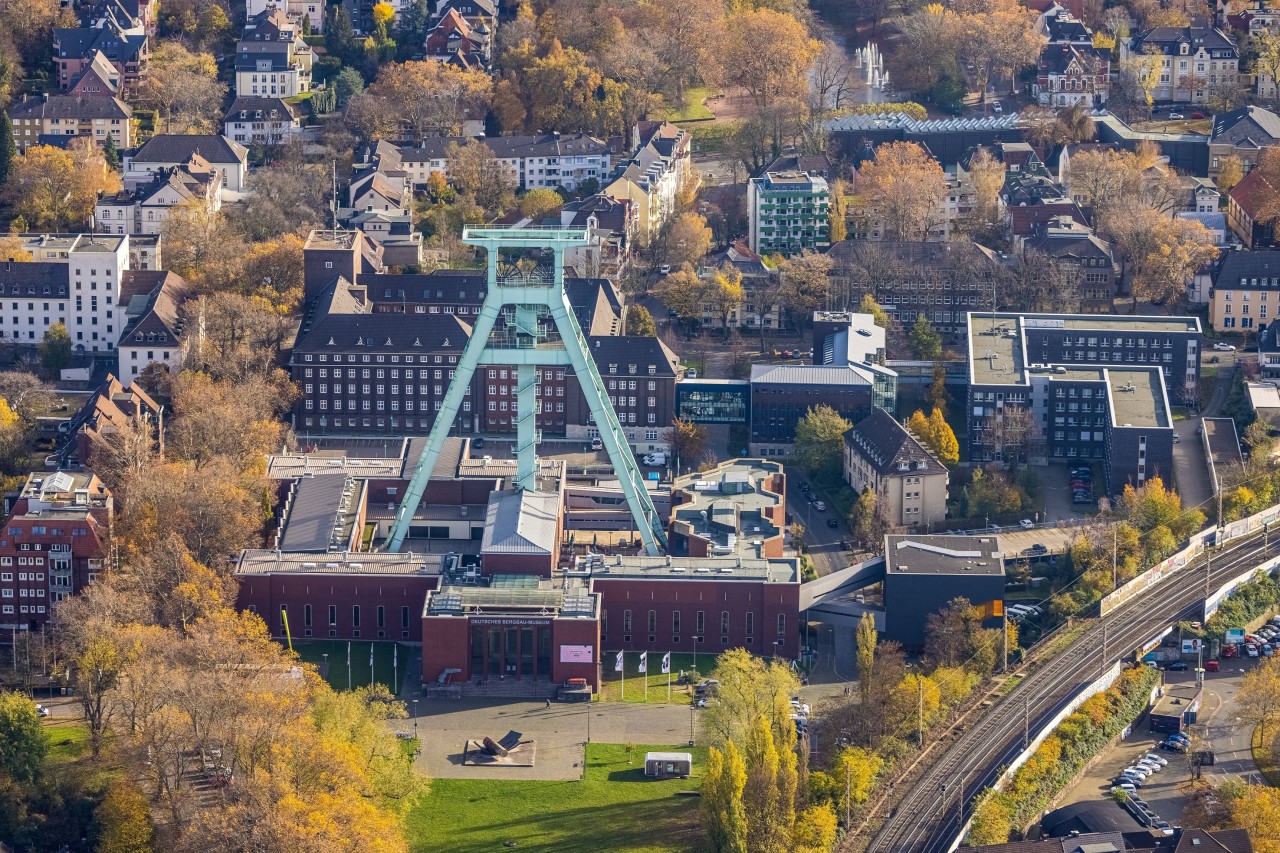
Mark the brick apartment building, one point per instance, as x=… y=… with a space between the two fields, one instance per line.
x=409 y=330
x=53 y=544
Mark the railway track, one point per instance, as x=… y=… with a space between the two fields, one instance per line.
x=928 y=817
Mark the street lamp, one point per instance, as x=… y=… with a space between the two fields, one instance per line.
x=326 y=664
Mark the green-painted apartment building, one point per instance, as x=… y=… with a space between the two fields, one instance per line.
x=788 y=212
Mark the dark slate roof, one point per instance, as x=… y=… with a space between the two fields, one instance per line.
x=178 y=148
x=70 y=106
x=1056 y=58
x=1168 y=38
x=83 y=41
x=627 y=350
x=249 y=52
x=164 y=293
x=887 y=445
x=469 y=8
x=338 y=323
x=1260 y=264
x=1217 y=841
x=915 y=253
x=17 y=278
x=1064 y=237
x=507 y=147
x=1247 y=126
x=251 y=106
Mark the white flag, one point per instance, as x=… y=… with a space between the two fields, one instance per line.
x=617 y=663
x=644 y=658
x=371 y=657
x=395 y=655
x=666 y=664
x=348 y=653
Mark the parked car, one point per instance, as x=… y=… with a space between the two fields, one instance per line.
x=1251 y=650
x=1179 y=736
x=597 y=444
x=1173 y=746
x=666 y=270
x=832 y=523
x=42 y=710
x=1026 y=524
x=1177 y=666
x=1197 y=114
x=1221 y=347
x=1126 y=786
x=1230 y=650
x=477 y=443
x=1211 y=666
x=1151 y=756
x=1039 y=548
x=820 y=506
x=1176 y=116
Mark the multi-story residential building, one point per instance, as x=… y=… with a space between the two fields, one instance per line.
x=146 y=208
x=1074 y=247
x=265 y=121
x=166 y=151
x=1243 y=133
x=759 y=307
x=312 y=10
x=53 y=118
x=53 y=545
x=547 y=160
x=472 y=11
x=655 y=173
x=1070 y=70
x=98 y=79
x=455 y=40
x=1069 y=74
x=72 y=279
x=109 y=408
x=1098 y=389
x=272 y=60
x=1240 y=299
x=154 y=325
x=788 y=213
x=909 y=483
x=615 y=229
x=942 y=281
x=1196 y=62
x=127 y=48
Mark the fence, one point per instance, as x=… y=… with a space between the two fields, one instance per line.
x=1197 y=543
x=1093 y=688
x=1223 y=592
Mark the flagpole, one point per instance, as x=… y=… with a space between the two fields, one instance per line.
x=370 y=663
x=623 y=655
x=668 y=668
x=348 y=664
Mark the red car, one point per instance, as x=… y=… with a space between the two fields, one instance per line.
x=1211 y=666
x=1230 y=650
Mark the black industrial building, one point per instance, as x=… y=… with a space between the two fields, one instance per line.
x=923 y=573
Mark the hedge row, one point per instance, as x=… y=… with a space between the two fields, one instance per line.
x=1077 y=739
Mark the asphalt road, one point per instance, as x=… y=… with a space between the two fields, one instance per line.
x=931 y=812
x=822 y=541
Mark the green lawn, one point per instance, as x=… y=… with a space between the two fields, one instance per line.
x=613 y=808
x=313 y=651
x=652 y=685
x=696 y=109
x=67 y=742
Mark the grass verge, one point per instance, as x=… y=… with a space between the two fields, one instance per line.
x=651 y=686
x=313 y=651
x=614 y=807
x=1265 y=756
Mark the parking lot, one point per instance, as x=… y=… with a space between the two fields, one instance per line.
x=1218 y=728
